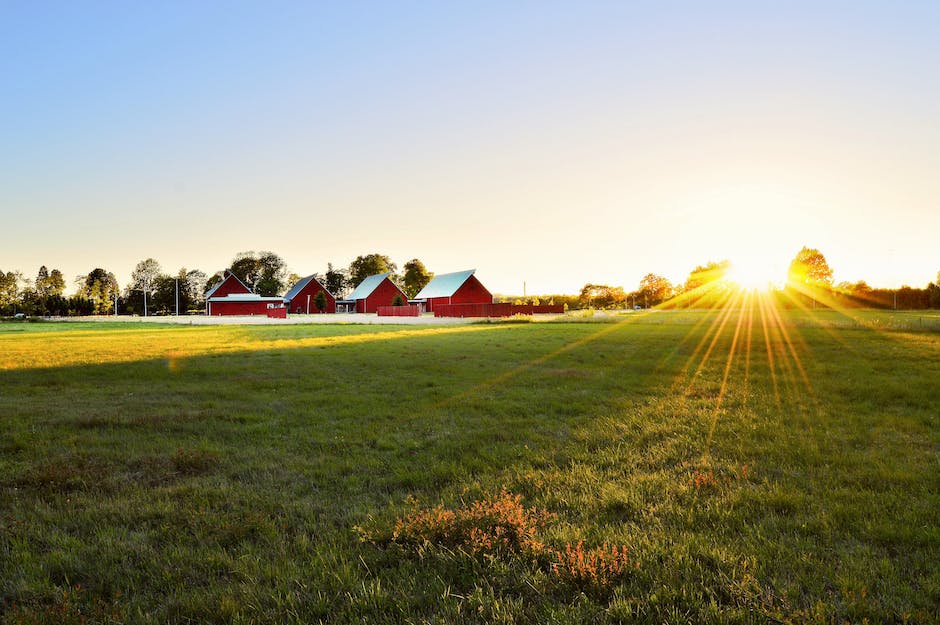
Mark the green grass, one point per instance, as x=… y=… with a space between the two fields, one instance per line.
x=254 y=474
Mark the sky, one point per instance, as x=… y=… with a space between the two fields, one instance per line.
x=545 y=144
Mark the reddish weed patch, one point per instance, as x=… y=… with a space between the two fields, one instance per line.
x=501 y=526
x=599 y=567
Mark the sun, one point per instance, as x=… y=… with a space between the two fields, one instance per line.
x=753 y=274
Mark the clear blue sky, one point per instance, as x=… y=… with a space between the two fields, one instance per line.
x=546 y=142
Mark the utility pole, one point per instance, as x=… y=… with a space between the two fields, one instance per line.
x=177 y=282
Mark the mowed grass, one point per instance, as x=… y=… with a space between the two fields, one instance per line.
x=786 y=471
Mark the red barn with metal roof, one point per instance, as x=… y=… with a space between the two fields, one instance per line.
x=374 y=291
x=230 y=284
x=233 y=297
x=302 y=297
x=460 y=287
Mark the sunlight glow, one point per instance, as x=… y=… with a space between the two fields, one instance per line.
x=753 y=275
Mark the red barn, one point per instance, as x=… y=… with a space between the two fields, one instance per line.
x=460 y=287
x=233 y=297
x=301 y=298
x=230 y=284
x=374 y=291
x=243 y=304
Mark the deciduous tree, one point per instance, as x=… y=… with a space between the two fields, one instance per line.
x=320 y=301
x=809 y=268
x=265 y=273
x=369 y=265
x=601 y=296
x=416 y=277
x=654 y=289
x=100 y=287
x=335 y=280
x=143 y=278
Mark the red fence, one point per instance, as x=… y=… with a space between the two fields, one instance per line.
x=494 y=310
x=411 y=310
x=277 y=313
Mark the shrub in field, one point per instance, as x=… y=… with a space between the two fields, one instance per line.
x=597 y=568
x=495 y=526
x=501 y=526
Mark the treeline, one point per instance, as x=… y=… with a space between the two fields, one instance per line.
x=809 y=285
x=152 y=291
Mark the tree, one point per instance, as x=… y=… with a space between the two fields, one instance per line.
x=706 y=274
x=163 y=295
x=100 y=287
x=601 y=296
x=369 y=265
x=335 y=280
x=143 y=278
x=809 y=273
x=9 y=290
x=933 y=294
x=213 y=281
x=397 y=300
x=42 y=280
x=193 y=285
x=654 y=290
x=55 y=285
x=809 y=268
x=265 y=273
x=319 y=301
x=416 y=277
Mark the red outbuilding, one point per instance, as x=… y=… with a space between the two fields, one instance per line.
x=303 y=296
x=374 y=291
x=230 y=284
x=460 y=287
x=233 y=297
x=243 y=304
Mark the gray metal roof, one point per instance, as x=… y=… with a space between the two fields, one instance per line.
x=368 y=285
x=301 y=285
x=445 y=285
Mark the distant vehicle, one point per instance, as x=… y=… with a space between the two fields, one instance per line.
x=19 y=316
x=637 y=307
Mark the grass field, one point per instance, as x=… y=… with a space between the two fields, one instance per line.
x=757 y=468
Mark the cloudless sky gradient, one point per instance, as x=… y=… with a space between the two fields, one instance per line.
x=552 y=143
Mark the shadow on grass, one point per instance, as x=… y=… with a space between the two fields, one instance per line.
x=228 y=486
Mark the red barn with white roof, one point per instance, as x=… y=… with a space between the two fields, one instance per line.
x=233 y=297
x=460 y=287
x=372 y=292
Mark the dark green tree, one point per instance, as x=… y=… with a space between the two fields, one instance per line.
x=320 y=301
x=335 y=280
x=265 y=273
x=397 y=300
x=369 y=265
x=100 y=287
x=416 y=277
